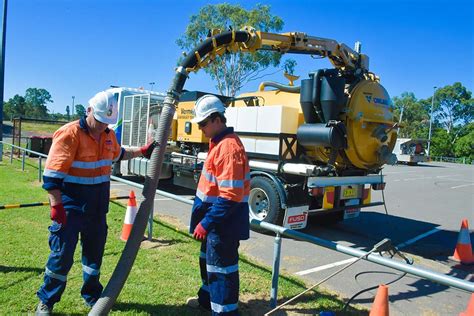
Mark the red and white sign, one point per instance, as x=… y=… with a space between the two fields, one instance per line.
x=296 y=217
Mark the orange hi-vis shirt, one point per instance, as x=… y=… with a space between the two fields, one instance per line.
x=226 y=172
x=79 y=165
x=221 y=201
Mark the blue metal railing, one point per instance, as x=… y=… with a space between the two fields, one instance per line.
x=23 y=158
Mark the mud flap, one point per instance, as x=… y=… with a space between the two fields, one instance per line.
x=296 y=217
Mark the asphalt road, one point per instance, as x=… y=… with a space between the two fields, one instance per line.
x=425 y=205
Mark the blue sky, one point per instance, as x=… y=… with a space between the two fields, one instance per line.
x=79 y=47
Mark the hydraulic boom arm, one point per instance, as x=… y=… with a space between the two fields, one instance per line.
x=340 y=55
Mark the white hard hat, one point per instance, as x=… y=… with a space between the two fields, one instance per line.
x=105 y=108
x=205 y=106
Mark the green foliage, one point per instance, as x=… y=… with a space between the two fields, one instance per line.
x=32 y=105
x=289 y=66
x=37 y=100
x=464 y=146
x=453 y=113
x=14 y=107
x=441 y=143
x=453 y=105
x=414 y=118
x=57 y=117
x=233 y=70
x=80 y=110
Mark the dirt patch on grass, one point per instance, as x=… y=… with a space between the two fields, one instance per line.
x=173 y=221
x=253 y=305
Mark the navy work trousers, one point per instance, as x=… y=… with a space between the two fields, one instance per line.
x=92 y=230
x=219 y=267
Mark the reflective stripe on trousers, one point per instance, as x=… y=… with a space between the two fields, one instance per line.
x=62 y=242
x=219 y=269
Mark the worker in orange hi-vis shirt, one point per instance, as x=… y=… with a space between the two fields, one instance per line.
x=220 y=215
x=77 y=178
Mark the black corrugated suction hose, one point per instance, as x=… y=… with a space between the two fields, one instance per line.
x=122 y=270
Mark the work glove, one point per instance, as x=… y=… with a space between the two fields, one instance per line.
x=58 y=214
x=148 y=149
x=199 y=232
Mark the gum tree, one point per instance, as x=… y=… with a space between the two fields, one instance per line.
x=233 y=70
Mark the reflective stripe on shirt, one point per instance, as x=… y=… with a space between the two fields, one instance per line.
x=209 y=177
x=92 y=164
x=87 y=180
x=205 y=198
x=231 y=183
x=54 y=174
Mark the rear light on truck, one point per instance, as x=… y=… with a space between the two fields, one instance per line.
x=378 y=186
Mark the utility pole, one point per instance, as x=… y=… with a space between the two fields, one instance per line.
x=3 y=12
x=431 y=120
x=401 y=116
x=73 y=110
x=152 y=84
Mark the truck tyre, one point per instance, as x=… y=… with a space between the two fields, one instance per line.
x=264 y=201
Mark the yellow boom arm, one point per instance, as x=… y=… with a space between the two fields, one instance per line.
x=340 y=55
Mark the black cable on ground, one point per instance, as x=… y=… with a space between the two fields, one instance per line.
x=369 y=288
x=392 y=250
x=380 y=246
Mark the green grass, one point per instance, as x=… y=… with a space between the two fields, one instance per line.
x=165 y=272
x=48 y=128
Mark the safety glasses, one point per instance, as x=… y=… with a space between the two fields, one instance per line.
x=204 y=123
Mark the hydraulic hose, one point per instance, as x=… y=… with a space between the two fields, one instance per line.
x=125 y=263
x=279 y=86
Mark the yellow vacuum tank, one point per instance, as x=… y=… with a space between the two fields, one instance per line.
x=353 y=121
x=371 y=135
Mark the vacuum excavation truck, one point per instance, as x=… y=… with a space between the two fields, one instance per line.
x=314 y=149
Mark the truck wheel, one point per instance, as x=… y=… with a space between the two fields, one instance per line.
x=264 y=201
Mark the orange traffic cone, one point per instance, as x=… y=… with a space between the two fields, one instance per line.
x=380 y=305
x=463 y=251
x=129 y=216
x=470 y=308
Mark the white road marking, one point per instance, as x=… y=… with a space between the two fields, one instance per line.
x=415 y=239
x=326 y=266
x=347 y=261
x=461 y=186
x=423 y=178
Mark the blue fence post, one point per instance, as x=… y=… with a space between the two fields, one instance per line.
x=275 y=271
x=11 y=155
